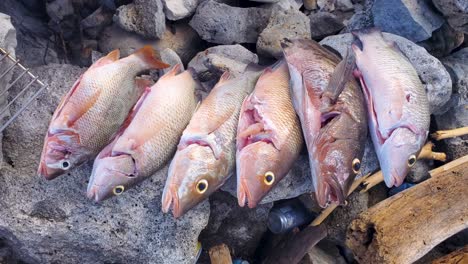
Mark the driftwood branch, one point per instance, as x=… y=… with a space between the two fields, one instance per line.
x=426 y=153
x=458 y=256
x=220 y=255
x=406 y=226
x=443 y=134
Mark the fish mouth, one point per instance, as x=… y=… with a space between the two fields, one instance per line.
x=394 y=179
x=244 y=197
x=332 y=194
x=93 y=193
x=171 y=200
x=48 y=173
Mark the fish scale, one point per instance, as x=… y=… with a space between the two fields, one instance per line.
x=397 y=104
x=147 y=142
x=211 y=132
x=93 y=110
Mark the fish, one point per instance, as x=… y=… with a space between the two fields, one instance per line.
x=148 y=138
x=205 y=156
x=330 y=106
x=269 y=137
x=93 y=110
x=398 y=108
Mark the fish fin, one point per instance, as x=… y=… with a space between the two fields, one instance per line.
x=142 y=83
x=175 y=70
x=109 y=58
x=227 y=75
x=197 y=107
x=244 y=121
x=340 y=77
x=148 y=55
x=253 y=67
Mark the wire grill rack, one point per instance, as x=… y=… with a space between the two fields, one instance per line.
x=32 y=81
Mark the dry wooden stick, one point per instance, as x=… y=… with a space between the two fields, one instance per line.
x=327 y=211
x=220 y=254
x=406 y=226
x=426 y=153
x=443 y=134
x=449 y=166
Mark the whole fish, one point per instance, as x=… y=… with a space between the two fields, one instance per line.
x=397 y=104
x=148 y=138
x=93 y=110
x=331 y=108
x=205 y=158
x=269 y=136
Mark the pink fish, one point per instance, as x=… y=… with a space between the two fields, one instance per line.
x=93 y=110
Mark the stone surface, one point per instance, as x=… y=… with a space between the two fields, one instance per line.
x=289 y=24
x=326 y=5
x=456 y=13
x=179 y=37
x=362 y=17
x=170 y=57
x=211 y=63
x=222 y=24
x=7 y=42
x=298 y=181
x=240 y=228
x=457 y=112
x=53 y=221
x=412 y=19
x=145 y=17
x=283 y=5
x=96 y=22
x=435 y=78
x=443 y=41
x=323 y=24
x=310 y=4
x=59 y=9
x=34 y=46
x=178 y=9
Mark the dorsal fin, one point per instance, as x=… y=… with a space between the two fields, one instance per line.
x=176 y=69
x=109 y=58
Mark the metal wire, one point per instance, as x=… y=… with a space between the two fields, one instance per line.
x=34 y=84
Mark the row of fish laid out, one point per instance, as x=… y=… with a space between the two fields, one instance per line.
x=253 y=124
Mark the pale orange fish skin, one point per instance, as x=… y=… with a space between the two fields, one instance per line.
x=269 y=137
x=91 y=113
x=207 y=148
x=151 y=137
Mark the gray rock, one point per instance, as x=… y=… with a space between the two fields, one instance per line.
x=326 y=5
x=179 y=37
x=456 y=13
x=457 y=113
x=369 y=162
x=178 y=9
x=362 y=18
x=240 y=228
x=443 y=41
x=298 y=181
x=419 y=172
x=289 y=24
x=283 y=5
x=211 y=63
x=323 y=24
x=412 y=19
x=344 y=5
x=145 y=17
x=34 y=47
x=170 y=57
x=59 y=9
x=96 y=22
x=53 y=221
x=7 y=42
x=432 y=73
x=219 y=23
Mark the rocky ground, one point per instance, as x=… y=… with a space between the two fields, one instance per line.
x=53 y=222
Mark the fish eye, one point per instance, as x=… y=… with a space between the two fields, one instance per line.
x=202 y=186
x=65 y=164
x=411 y=160
x=356 y=165
x=118 y=190
x=269 y=178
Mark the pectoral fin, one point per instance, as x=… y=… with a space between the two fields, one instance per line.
x=339 y=78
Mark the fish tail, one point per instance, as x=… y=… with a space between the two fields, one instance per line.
x=149 y=56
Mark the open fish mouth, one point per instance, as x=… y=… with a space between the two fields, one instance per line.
x=333 y=194
x=171 y=201
x=244 y=196
x=93 y=193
